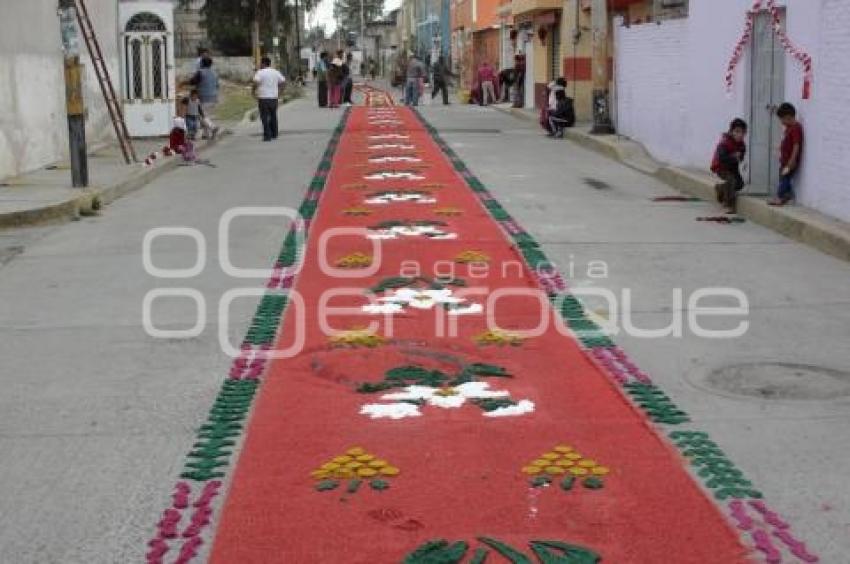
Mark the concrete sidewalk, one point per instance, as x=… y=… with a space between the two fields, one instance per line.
x=46 y=194
x=815 y=229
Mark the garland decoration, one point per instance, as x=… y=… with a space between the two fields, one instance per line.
x=776 y=16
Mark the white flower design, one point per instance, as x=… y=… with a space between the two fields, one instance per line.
x=430 y=231
x=422 y=299
x=383 y=136
x=390 y=175
x=379 y=146
x=389 y=197
x=395 y=159
x=445 y=398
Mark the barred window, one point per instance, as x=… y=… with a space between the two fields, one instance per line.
x=156 y=67
x=136 y=56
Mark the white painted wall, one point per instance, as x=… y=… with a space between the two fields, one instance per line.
x=672 y=95
x=33 y=126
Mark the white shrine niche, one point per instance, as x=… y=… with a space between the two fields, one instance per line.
x=147 y=66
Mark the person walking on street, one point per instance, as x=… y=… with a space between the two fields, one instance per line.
x=487 y=80
x=266 y=87
x=322 y=79
x=441 y=80
x=205 y=81
x=347 y=82
x=415 y=73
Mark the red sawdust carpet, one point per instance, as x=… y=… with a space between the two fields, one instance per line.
x=454 y=473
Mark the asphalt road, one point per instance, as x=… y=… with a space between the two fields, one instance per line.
x=96 y=415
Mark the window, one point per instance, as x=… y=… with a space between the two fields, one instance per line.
x=156 y=67
x=136 y=68
x=670 y=9
x=145 y=21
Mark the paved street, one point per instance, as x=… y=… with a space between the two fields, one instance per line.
x=96 y=416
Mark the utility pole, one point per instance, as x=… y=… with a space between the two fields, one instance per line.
x=362 y=31
x=74 y=103
x=601 y=80
x=276 y=59
x=297 y=41
x=255 y=34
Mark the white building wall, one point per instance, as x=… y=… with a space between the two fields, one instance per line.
x=671 y=92
x=651 y=73
x=33 y=126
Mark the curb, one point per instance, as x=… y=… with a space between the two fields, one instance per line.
x=828 y=235
x=85 y=200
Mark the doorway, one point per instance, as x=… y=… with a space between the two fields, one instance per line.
x=767 y=91
x=528 y=49
x=148 y=100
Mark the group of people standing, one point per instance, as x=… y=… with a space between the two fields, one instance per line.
x=333 y=77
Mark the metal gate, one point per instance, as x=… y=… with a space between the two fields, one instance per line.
x=767 y=91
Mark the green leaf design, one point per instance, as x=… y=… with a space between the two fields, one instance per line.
x=556 y=552
x=438 y=552
x=512 y=554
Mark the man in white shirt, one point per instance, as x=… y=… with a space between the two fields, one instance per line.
x=266 y=87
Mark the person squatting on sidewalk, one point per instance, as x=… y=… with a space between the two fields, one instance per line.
x=790 y=154
x=557 y=84
x=726 y=164
x=178 y=142
x=266 y=87
x=563 y=116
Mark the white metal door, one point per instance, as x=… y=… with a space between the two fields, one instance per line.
x=148 y=79
x=528 y=49
x=767 y=91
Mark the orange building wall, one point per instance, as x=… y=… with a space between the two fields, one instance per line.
x=488 y=14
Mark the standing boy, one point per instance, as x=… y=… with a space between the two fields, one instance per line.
x=726 y=164
x=266 y=87
x=790 y=153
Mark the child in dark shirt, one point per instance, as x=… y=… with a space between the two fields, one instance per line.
x=726 y=164
x=790 y=153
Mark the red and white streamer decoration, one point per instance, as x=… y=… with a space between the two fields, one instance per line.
x=801 y=56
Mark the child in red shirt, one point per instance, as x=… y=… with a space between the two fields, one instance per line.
x=177 y=141
x=790 y=153
x=726 y=164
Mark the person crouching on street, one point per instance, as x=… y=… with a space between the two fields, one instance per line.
x=178 y=142
x=726 y=164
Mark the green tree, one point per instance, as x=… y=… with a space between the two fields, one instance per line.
x=228 y=22
x=347 y=13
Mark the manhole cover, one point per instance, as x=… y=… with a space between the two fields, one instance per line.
x=778 y=380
